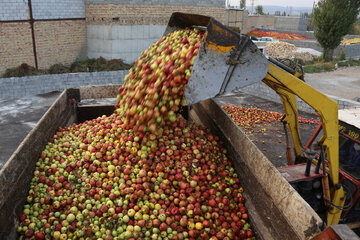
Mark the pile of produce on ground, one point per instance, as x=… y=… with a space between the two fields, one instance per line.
x=350 y=41
x=287 y=50
x=249 y=117
x=276 y=35
x=142 y=173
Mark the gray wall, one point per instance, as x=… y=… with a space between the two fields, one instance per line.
x=45 y=9
x=13 y=10
x=352 y=51
x=42 y=9
x=290 y=23
x=31 y=85
x=118 y=41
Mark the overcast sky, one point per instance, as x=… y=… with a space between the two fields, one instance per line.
x=284 y=3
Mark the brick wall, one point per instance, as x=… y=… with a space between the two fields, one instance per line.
x=60 y=42
x=136 y=14
x=15 y=45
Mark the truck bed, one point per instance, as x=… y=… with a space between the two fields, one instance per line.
x=276 y=210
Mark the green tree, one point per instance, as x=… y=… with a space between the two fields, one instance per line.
x=277 y=13
x=332 y=20
x=242 y=4
x=259 y=10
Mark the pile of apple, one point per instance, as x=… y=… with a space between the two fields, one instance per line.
x=251 y=117
x=154 y=87
x=142 y=173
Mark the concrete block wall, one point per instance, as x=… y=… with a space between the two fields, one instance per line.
x=13 y=10
x=123 y=29
x=125 y=42
x=31 y=85
x=235 y=18
x=290 y=23
x=352 y=51
x=252 y=22
x=279 y=23
x=53 y=9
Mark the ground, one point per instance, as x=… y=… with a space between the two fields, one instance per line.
x=343 y=82
x=17 y=118
x=272 y=142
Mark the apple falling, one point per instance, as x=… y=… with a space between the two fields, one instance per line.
x=143 y=172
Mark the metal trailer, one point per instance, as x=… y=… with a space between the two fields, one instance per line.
x=276 y=210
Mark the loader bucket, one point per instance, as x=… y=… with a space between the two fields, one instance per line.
x=226 y=61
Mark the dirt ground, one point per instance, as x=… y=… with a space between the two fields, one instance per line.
x=343 y=82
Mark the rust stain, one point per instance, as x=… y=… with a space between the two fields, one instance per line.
x=219 y=49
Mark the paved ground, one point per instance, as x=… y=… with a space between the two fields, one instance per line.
x=17 y=117
x=344 y=82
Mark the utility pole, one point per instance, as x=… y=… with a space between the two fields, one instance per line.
x=252 y=6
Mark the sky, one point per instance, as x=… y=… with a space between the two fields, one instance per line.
x=284 y=3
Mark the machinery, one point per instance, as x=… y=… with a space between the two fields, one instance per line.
x=349 y=162
x=228 y=61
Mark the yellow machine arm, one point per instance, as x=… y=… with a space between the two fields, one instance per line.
x=289 y=86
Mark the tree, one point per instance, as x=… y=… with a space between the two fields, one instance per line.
x=277 y=13
x=284 y=13
x=259 y=10
x=242 y=4
x=333 y=20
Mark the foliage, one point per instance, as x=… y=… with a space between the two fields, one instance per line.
x=349 y=63
x=88 y=65
x=322 y=66
x=59 y=68
x=242 y=4
x=333 y=19
x=355 y=28
x=98 y=65
x=342 y=55
x=21 y=71
x=319 y=67
x=259 y=10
